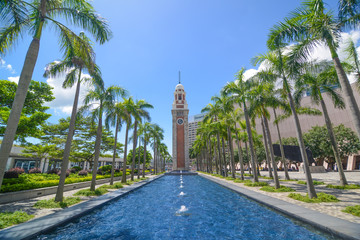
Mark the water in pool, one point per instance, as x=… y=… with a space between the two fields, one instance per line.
x=188 y=207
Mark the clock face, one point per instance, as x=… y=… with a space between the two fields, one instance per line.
x=180 y=121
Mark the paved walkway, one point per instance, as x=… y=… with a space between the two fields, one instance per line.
x=27 y=205
x=346 y=197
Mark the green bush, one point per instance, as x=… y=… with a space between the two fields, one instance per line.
x=256 y=184
x=273 y=189
x=314 y=182
x=8 y=219
x=106 y=168
x=52 y=204
x=354 y=210
x=322 y=197
x=350 y=186
x=86 y=192
x=77 y=168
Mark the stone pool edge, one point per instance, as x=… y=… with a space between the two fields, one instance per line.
x=329 y=224
x=33 y=228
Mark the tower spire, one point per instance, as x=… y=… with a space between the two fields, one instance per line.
x=179 y=77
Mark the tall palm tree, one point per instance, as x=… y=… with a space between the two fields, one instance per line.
x=20 y=15
x=353 y=59
x=276 y=62
x=115 y=116
x=98 y=101
x=157 y=134
x=310 y=25
x=239 y=89
x=76 y=61
x=140 y=107
x=145 y=130
x=316 y=79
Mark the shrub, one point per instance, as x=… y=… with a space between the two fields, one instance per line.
x=273 y=189
x=9 y=174
x=18 y=170
x=76 y=168
x=67 y=173
x=87 y=192
x=83 y=173
x=117 y=170
x=354 y=210
x=106 y=168
x=50 y=203
x=322 y=197
x=256 y=184
x=100 y=172
x=8 y=219
x=35 y=170
x=350 y=186
x=54 y=171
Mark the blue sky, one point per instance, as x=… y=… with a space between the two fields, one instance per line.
x=208 y=40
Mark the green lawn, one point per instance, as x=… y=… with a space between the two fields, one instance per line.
x=322 y=197
x=52 y=204
x=8 y=219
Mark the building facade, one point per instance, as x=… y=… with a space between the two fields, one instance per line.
x=194 y=122
x=180 y=130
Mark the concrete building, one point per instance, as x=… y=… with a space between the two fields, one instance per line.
x=337 y=116
x=17 y=160
x=180 y=130
x=194 y=122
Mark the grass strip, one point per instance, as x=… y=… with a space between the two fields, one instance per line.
x=346 y=187
x=273 y=189
x=86 y=192
x=256 y=184
x=50 y=203
x=322 y=197
x=354 y=210
x=290 y=180
x=8 y=219
x=238 y=180
x=314 y=182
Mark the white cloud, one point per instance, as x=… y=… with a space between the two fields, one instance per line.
x=14 y=79
x=64 y=97
x=7 y=66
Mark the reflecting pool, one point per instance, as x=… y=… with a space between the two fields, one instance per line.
x=183 y=207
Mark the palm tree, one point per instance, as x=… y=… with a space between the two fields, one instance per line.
x=115 y=117
x=21 y=15
x=239 y=89
x=277 y=65
x=353 y=59
x=139 y=111
x=145 y=130
x=311 y=25
x=99 y=101
x=76 y=61
x=315 y=79
x=156 y=134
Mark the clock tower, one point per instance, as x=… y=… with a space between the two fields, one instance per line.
x=180 y=113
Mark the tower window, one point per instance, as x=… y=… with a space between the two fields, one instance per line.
x=179 y=97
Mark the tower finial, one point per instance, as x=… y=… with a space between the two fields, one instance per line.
x=179 y=77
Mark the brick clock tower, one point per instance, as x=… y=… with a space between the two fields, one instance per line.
x=180 y=113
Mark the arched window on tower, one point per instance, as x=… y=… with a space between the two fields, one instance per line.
x=179 y=97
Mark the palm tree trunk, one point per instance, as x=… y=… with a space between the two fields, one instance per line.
x=334 y=143
x=67 y=149
x=251 y=144
x=216 y=159
x=134 y=151
x=247 y=156
x=241 y=159
x=18 y=104
x=155 y=160
x=97 y=150
x=143 y=171
x=272 y=158
x=309 y=181
x=232 y=160
x=287 y=177
x=139 y=158
x=266 y=149
x=346 y=87
x=123 y=178
x=114 y=153
x=224 y=156
x=219 y=152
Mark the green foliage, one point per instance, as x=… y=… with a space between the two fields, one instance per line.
x=33 y=113
x=321 y=197
x=229 y=178
x=314 y=182
x=264 y=177
x=50 y=203
x=256 y=184
x=130 y=155
x=242 y=181
x=349 y=186
x=354 y=210
x=86 y=192
x=290 y=180
x=281 y=189
x=114 y=186
x=8 y=219
x=106 y=168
